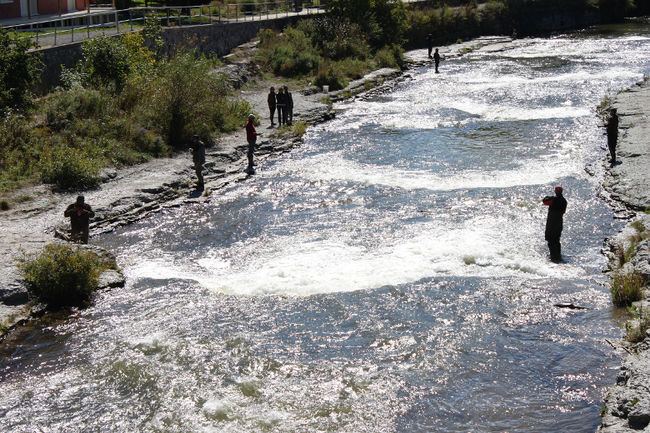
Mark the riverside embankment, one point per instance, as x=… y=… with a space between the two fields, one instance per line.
x=627 y=405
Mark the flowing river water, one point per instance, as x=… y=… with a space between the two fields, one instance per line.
x=390 y=275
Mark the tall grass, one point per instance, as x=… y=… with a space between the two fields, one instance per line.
x=626 y=288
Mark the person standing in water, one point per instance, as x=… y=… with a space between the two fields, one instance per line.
x=251 y=137
x=612 y=134
x=272 y=104
x=79 y=213
x=198 y=157
x=436 y=59
x=555 y=223
x=429 y=45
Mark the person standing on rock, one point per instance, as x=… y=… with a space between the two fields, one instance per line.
x=436 y=59
x=281 y=105
x=198 y=157
x=288 y=111
x=251 y=137
x=271 y=100
x=429 y=45
x=612 y=134
x=80 y=214
x=554 y=223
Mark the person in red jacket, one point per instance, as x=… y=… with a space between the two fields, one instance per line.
x=251 y=137
x=554 y=223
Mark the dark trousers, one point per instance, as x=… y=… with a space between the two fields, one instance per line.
x=555 y=249
x=281 y=109
x=79 y=236
x=286 y=115
x=249 y=155
x=198 y=169
x=437 y=64
x=611 y=144
x=272 y=111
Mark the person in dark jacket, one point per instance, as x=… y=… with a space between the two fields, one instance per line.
x=80 y=214
x=436 y=59
x=251 y=137
x=281 y=104
x=612 y=134
x=554 y=223
x=288 y=111
x=198 y=157
x=429 y=45
x=272 y=103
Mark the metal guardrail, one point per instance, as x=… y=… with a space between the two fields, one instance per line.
x=65 y=30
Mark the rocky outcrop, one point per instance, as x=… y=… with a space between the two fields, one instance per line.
x=627 y=404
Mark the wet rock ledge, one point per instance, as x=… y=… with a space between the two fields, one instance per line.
x=627 y=404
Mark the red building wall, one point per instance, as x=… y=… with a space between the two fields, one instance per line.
x=11 y=10
x=46 y=7
x=81 y=5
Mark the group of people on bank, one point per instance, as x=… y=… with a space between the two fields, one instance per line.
x=282 y=102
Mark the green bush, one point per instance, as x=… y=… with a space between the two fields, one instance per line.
x=626 y=288
x=106 y=62
x=61 y=275
x=19 y=148
x=331 y=75
x=185 y=98
x=335 y=38
x=19 y=72
x=70 y=168
x=289 y=54
x=63 y=107
x=637 y=330
x=390 y=57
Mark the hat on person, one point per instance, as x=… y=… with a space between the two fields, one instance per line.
x=558 y=190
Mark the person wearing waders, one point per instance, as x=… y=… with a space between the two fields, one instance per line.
x=281 y=105
x=436 y=59
x=198 y=157
x=272 y=102
x=251 y=137
x=612 y=134
x=554 y=223
x=288 y=111
x=430 y=45
x=79 y=213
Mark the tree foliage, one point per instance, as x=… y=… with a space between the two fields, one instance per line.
x=19 y=72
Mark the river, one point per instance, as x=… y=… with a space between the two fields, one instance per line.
x=390 y=275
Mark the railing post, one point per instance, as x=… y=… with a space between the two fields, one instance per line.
x=88 y=25
x=180 y=18
x=72 y=35
x=54 y=32
x=131 y=22
x=37 y=32
x=167 y=17
x=236 y=12
x=117 y=22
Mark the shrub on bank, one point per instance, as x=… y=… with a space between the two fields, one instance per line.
x=61 y=275
x=69 y=168
x=19 y=72
x=637 y=329
x=626 y=288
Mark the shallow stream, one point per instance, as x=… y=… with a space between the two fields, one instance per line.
x=390 y=275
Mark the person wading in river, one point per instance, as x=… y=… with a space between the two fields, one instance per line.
x=272 y=103
x=554 y=223
x=79 y=213
x=436 y=59
x=251 y=137
x=429 y=45
x=198 y=157
x=612 y=134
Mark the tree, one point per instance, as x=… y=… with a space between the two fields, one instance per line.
x=19 y=72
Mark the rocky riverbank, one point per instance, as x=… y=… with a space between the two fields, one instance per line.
x=627 y=405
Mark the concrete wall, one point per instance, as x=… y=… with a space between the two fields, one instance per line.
x=217 y=39
x=220 y=39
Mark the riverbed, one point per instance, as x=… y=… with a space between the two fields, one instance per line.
x=390 y=275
